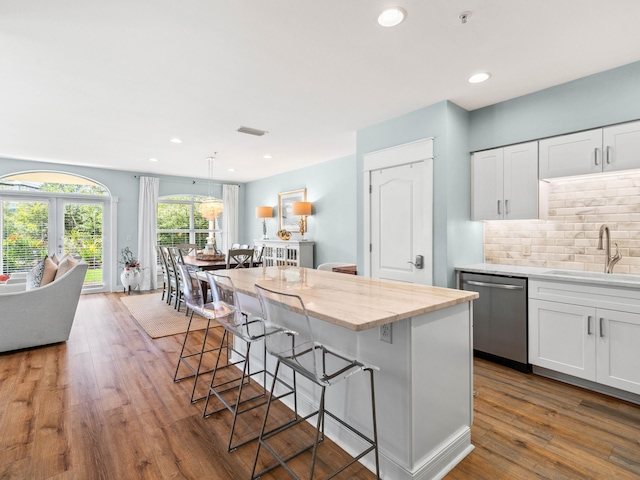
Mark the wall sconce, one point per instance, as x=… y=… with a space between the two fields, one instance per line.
x=302 y=209
x=264 y=213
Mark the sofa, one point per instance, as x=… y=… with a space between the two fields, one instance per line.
x=40 y=316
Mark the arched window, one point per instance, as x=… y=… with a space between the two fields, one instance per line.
x=53 y=182
x=45 y=213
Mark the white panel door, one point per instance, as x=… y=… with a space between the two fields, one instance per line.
x=521 y=181
x=618 y=349
x=398 y=224
x=574 y=154
x=562 y=338
x=622 y=147
x=487 y=201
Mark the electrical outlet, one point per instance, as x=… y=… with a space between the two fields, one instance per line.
x=385 y=333
x=526 y=250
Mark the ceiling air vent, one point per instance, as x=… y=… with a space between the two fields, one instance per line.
x=251 y=131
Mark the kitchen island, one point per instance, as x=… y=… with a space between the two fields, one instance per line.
x=424 y=387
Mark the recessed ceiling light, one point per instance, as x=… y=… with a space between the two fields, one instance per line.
x=175 y=140
x=392 y=16
x=479 y=77
x=267 y=157
x=231 y=169
x=153 y=159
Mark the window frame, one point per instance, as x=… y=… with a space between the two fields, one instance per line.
x=192 y=200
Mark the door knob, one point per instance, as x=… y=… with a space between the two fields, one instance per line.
x=419 y=263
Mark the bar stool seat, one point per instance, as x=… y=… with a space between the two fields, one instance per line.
x=194 y=300
x=294 y=345
x=246 y=329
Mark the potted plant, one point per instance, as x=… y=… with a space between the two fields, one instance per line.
x=131 y=274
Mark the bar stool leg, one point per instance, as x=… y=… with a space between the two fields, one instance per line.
x=319 y=424
x=264 y=422
x=375 y=423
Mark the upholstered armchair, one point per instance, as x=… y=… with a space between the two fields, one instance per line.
x=40 y=316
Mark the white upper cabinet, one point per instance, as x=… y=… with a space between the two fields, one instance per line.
x=575 y=154
x=505 y=183
x=594 y=151
x=622 y=147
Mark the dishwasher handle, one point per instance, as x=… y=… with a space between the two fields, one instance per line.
x=493 y=285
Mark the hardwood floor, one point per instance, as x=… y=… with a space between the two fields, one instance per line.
x=104 y=406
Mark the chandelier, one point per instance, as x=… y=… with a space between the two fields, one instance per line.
x=211 y=207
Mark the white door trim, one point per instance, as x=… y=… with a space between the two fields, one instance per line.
x=412 y=152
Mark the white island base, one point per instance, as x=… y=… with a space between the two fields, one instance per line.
x=423 y=392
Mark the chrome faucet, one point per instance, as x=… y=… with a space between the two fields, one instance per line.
x=610 y=261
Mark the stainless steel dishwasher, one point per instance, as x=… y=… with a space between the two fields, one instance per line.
x=499 y=318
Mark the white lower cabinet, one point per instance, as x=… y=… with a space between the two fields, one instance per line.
x=583 y=336
x=559 y=338
x=618 y=350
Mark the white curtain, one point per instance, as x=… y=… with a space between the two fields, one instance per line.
x=230 y=217
x=147 y=231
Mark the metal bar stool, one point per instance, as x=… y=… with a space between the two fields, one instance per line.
x=294 y=345
x=249 y=330
x=194 y=300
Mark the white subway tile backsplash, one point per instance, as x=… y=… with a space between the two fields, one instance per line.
x=569 y=237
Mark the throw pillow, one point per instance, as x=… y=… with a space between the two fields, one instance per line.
x=55 y=259
x=66 y=264
x=34 y=276
x=49 y=273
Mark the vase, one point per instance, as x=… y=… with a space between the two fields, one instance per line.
x=130 y=278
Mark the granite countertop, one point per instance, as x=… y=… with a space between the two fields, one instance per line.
x=554 y=274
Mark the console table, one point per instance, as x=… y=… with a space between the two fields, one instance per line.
x=291 y=252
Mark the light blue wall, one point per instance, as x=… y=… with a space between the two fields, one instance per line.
x=331 y=187
x=594 y=101
x=456 y=240
x=125 y=186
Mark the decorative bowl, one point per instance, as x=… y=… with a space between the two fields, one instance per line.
x=212 y=257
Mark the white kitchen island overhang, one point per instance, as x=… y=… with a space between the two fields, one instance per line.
x=424 y=389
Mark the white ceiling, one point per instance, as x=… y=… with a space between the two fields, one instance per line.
x=108 y=83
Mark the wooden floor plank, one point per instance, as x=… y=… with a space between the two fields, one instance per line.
x=104 y=406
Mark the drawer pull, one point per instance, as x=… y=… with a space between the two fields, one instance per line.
x=589 y=325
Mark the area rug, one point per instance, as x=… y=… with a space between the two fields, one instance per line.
x=159 y=319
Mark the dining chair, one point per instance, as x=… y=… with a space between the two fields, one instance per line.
x=186 y=249
x=241 y=331
x=191 y=358
x=240 y=258
x=258 y=251
x=165 y=272
x=173 y=287
x=329 y=266
x=176 y=260
x=295 y=346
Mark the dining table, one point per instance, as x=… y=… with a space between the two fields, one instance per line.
x=214 y=264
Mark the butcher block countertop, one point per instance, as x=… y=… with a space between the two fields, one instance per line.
x=353 y=302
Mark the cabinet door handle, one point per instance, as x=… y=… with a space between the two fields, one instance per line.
x=601 y=327
x=506 y=207
x=498 y=207
x=595 y=155
x=589 y=325
x=607 y=154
